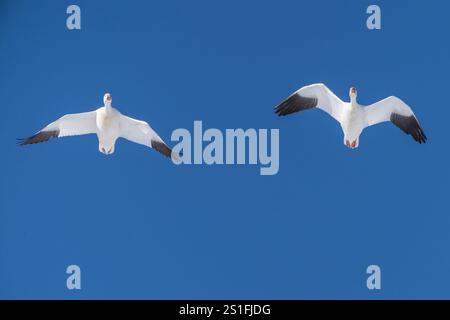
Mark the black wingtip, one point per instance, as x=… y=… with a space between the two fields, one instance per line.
x=162 y=148
x=39 y=137
x=419 y=135
x=409 y=125
x=295 y=103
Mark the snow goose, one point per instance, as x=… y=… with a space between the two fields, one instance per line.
x=108 y=124
x=352 y=116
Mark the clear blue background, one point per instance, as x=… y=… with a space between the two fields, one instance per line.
x=141 y=227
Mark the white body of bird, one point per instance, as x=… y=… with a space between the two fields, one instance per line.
x=108 y=125
x=352 y=124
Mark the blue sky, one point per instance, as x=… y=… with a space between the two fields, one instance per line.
x=141 y=227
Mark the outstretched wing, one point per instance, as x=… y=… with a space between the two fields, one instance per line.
x=140 y=132
x=399 y=113
x=312 y=96
x=68 y=125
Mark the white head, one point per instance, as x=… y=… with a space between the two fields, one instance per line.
x=107 y=98
x=353 y=93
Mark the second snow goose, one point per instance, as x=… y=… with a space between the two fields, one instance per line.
x=352 y=116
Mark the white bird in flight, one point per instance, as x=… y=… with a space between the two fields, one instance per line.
x=352 y=116
x=108 y=124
